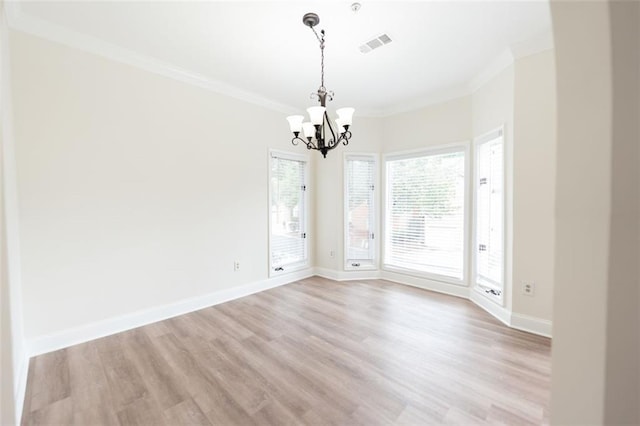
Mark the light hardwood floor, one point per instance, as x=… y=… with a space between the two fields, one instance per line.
x=313 y=352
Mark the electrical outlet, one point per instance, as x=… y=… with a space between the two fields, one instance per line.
x=332 y=253
x=528 y=288
x=236 y=265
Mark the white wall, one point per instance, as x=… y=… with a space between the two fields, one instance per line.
x=329 y=203
x=534 y=154
x=492 y=104
x=622 y=383
x=13 y=352
x=439 y=124
x=493 y=107
x=583 y=210
x=136 y=190
x=522 y=98
x=596 y=371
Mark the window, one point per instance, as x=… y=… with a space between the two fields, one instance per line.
x=489 y=213
x=287 y=203
x=360 y=217
x=425 y=217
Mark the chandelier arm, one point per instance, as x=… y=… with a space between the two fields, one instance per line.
x=329 y=148
x=311 y=145
x=345 y=137
x=333 y=133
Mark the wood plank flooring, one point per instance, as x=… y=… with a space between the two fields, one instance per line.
x=313 y=352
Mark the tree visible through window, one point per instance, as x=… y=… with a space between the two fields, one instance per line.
x=288 y=245
x=425 y=218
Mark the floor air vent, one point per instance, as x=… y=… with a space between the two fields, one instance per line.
x=374 y=43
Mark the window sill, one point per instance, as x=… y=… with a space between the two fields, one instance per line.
x=362 y=267
x=287 y=269
x=426 y=275
x=486 y=293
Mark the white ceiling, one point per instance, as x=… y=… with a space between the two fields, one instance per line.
x=263 y=48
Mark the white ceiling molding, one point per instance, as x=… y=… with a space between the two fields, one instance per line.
x=495 y=67
x=506 y=58
x=492 y=69
x=31 y=25
x=11 y=10
x=532 y=46
x=44 y=29
x=433 y=98
x=25 y=22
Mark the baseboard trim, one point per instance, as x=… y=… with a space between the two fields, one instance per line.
x=518 y=321
x=333 y=274
x=63 y=339
x=532 y=324
x=491 y=307
x=21 y=389
x=426 y=284
x=521 y=322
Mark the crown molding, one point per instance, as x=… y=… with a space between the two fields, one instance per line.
x=17 y=20
x=433 y=98
x=532 y=46
x=20 y=21
x=503 y=61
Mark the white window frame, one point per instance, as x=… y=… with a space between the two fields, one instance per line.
x=478 y=287
x=434 y=150
x=363 y=264
x=305 y=214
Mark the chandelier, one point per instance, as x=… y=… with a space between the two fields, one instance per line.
x=319 y=134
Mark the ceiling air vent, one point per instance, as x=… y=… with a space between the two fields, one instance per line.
x=374 y=43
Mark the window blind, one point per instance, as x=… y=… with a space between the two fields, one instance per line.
x=287 y=203
x=360 y=214
x=425 y=213
x=489 y=212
